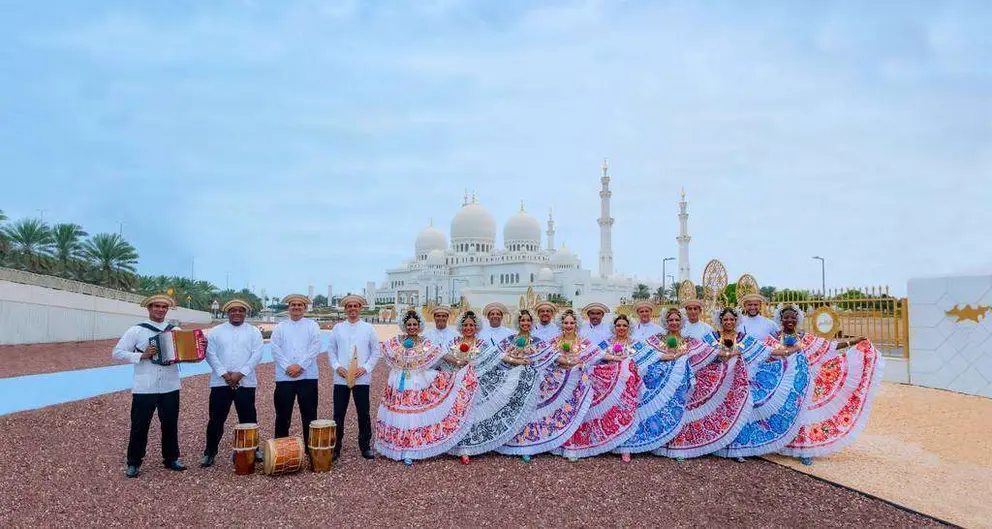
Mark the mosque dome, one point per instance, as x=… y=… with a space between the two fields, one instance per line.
x=563 y=257
x=545 y=274
x=522 y=228
x=435 y=257
x=430 y=238
x=473 y=221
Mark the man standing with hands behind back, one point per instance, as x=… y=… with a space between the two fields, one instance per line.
x=295 y=347
x=353 y=339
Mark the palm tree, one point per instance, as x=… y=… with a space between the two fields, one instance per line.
x=31 y=244
x=642 y=292
x=3 y=239
x=67 y=242
x=113 y=260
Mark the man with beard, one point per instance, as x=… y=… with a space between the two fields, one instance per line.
x=753 y=322
x=495 y=332
x=596 y=330
x=233 y=352
x=295 y=347
x=545 y=328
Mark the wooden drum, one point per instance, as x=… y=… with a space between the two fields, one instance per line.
x=282 y=456
x=245 y=443
x=323 y=440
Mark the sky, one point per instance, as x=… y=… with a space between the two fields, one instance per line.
x=278 y=145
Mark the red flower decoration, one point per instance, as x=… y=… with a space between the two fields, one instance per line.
x=463 y=348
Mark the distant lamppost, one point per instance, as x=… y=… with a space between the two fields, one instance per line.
x=823 y=275
x=663 y=276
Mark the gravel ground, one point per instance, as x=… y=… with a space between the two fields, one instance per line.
x=63 y=465
x=17 y=360
x=927 y=449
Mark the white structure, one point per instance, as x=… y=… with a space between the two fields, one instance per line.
x=330 y=294
x=685 y=274
x=38 y=314
x=473 y=266
x=950 y=333
x=605 y=226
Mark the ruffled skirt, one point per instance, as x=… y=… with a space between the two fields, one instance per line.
x=564 y=398
x=718 y=408
x=845 y=385
x=661 y=410
x=779 y=388
x=505 y=402
x=612 y=417
x=429 y=417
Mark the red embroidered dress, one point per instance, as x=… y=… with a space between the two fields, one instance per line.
x=424 y=412
x=845 y=382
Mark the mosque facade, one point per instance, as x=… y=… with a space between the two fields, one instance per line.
x=472 y=266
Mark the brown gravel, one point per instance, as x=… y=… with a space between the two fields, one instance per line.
x=33 y=359
x=924 y=448
x=63 y=465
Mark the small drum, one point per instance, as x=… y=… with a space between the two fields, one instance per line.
x=245 y=443
x=323 y=440
x=282 y=456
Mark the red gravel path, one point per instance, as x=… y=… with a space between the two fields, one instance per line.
x=17 y=360
x=63 y=465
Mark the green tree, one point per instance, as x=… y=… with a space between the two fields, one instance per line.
x=320 y=300
x=68 y=249
x=4 y=245
x=30 y=244
x=659 y=295
x=730 y=294
x=642 y=292
x=768 y=292
x=112 y=260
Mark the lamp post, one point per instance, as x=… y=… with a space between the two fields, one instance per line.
x=823 y=275
x=663 y=276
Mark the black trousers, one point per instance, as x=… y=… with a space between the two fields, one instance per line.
x=303 y=392
x=220 y=405
x=143 y=406
x=342 y=393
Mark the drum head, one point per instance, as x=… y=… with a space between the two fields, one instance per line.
x=246 y=426
x=322 y=423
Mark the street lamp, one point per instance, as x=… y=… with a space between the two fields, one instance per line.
x=663 y=277
x=823 y=275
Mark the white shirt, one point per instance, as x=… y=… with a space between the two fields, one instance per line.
x=759 y=326
x=346 y=339
x=697 y=330
x=296 y=342
x=597 y=333
x=495 y=336
x=441 y=337
x=643 y=330
x=234 y=349
x=149 y=377
x=546 y=332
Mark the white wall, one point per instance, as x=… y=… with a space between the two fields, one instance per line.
x=34 y=314
x=948 y=351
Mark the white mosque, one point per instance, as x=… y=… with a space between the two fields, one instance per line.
x=473 y=267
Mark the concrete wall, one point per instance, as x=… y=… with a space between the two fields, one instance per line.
x=36 y=314
x=950 y=333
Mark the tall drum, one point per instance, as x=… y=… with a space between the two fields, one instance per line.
x=282 y=456
x=323 y=440
x=245 y=443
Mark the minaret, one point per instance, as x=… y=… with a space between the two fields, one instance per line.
x=605 y=226
x=683 y=239
x=551 y=232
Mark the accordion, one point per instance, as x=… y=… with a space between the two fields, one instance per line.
x=179 y=346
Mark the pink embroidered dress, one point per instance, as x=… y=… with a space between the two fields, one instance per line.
x=845 y=383
x=424 y=412
x=565 y=397
x=612 y=416
x=719 y=402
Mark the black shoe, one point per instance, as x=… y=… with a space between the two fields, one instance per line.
x=335 y=456
x=368 y=454
x=206 y=461
x=175 y=465
x=259 y=455
x=132 y=471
